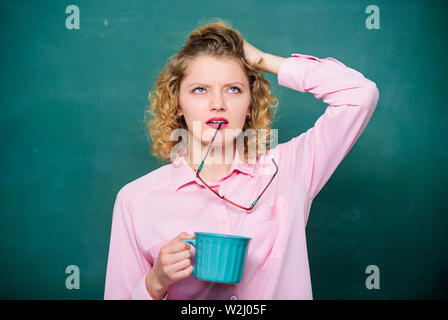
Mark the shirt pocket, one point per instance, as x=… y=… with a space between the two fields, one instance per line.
x=263 y=215
x=281 y=208
x=266 y=229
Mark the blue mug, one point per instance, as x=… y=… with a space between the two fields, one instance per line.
x=219 y=257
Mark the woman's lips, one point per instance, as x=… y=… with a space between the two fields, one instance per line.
x=216 y=125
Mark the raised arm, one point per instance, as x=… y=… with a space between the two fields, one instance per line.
x=313 y=156
x=351 y=100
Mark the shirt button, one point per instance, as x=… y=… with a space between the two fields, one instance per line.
x=222 y=221
x=233 y=298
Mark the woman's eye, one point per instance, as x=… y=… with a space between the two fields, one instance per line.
x=197 y=88
x=239 y=90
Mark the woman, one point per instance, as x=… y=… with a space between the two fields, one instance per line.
x=218 y=76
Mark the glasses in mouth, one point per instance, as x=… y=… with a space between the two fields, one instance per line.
x=198 y=171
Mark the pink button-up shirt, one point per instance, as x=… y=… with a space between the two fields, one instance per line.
x=156 y=207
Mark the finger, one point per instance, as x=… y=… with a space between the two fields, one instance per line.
x=177 y=246
x=185 y=235
x=179 y=266
x=182 y=236
x=176 y=257
x=183 y=273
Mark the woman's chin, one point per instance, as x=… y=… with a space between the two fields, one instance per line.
x=217 y=143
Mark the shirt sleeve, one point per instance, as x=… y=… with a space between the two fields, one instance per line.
x=314 y=155
x=126 y=265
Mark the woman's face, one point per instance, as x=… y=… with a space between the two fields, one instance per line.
x=214 y=87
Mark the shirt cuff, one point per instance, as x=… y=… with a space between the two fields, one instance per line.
x=140 y=292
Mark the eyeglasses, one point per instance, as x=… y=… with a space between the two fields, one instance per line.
x=223 y=197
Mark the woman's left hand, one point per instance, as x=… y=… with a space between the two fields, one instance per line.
x=253 y=55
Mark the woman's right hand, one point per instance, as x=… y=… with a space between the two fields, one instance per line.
x=173 y=264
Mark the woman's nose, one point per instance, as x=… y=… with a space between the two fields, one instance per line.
x=217 y=107
x=217 y=102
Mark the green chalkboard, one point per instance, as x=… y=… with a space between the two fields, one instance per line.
x=73 y=100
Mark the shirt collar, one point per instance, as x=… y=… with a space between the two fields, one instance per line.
x=183 y=174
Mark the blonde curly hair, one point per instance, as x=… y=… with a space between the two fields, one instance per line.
x=216 y=39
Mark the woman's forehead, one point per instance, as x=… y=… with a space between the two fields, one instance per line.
x=208 y=70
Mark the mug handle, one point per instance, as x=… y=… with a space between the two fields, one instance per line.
x=193 y=242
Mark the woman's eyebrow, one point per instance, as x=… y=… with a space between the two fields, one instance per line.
x=206 y=85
